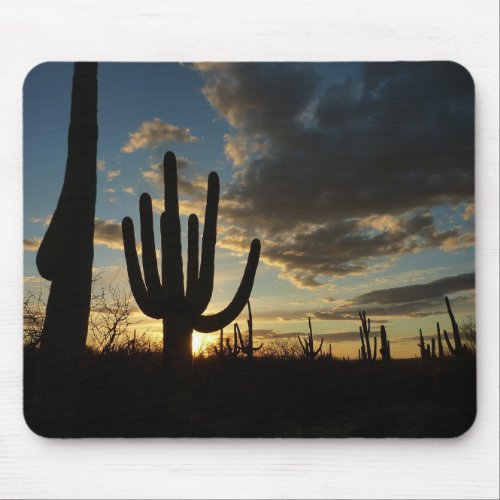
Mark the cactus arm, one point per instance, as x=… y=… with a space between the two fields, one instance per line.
x=193 y=253
x=237 y=331
x=440 y=342
x=250 y=326
x=170 y=224
x=206 y=324
x=456 y=333
x=448 y=343
x=258 y=348
x=319 y=348
x=302 y=345
x=134 y=272
x=366 y=330
x=149 y=263
x=363 y=348
x=206 y=279
x=422 y=344
x=374 y=348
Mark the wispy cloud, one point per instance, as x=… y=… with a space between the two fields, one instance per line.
x=101 y=165
x=112 y=174
x=32 y=244
x=129 y=190
x=154 y=133
x=469 y=211
x=46 y=220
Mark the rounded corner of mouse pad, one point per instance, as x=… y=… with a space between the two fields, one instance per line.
x=249 y=250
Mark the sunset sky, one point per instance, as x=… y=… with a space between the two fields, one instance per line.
x=357 y=178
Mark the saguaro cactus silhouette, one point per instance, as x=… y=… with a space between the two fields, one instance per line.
x=424 y=350
x=247 y=348
x=308 y=344
x=181 y=311
x=65 y=258
x=459 y=349
x=385 y=348
x=364 y=333
x=440 y=342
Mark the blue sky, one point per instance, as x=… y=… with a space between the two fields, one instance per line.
x=378 y=160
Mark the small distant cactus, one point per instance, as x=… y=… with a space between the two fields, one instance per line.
x=247 y=348
x=225 y=349
x=328 y=354
x=385 y=349
x=425 y=351
x=364 y=333
x=307 y=344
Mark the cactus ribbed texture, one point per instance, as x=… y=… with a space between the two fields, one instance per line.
x=181 y=311
x=65 y=258
x=247 y=348
x=364 y=333
x=308 y=344
x=385 y=348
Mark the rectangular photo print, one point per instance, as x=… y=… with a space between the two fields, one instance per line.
x=249 y=250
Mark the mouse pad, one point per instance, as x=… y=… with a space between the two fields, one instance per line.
x=249 y=250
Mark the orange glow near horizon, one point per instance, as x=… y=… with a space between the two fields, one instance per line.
x=197 y=342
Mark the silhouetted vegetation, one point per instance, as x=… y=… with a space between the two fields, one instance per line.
x=122 y=394
x=246 y=346
x=307 y=344
x=124 y=385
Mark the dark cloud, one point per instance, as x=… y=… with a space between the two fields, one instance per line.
x=419 y=309
x=319 y=171
x=413 y=293
x=415 y=301
x=328 y=337
x=108 y=233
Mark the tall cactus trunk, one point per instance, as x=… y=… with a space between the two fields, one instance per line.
x=178 y=365
x=177 y=344
x=65 y=258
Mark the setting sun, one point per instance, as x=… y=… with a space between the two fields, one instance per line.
x=197 y=341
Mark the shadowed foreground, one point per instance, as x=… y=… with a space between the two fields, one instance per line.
x=124 y=396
